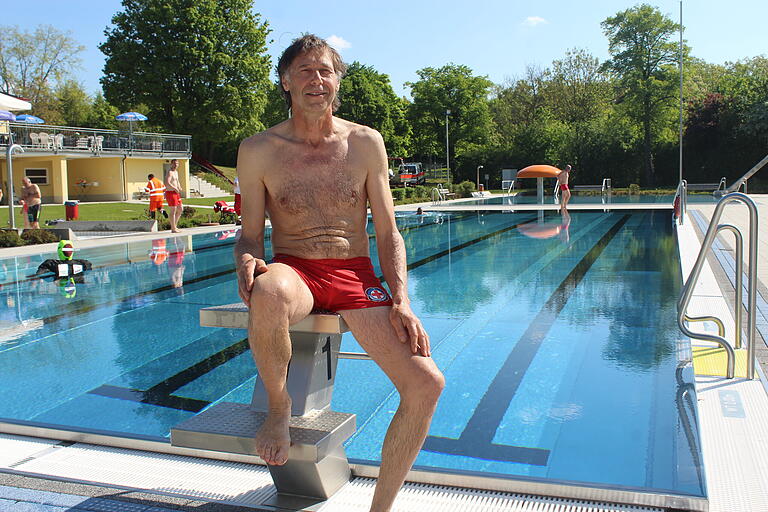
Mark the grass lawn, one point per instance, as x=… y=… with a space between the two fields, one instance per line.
x=206 y=201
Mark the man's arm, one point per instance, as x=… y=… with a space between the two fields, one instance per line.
x=249 y=249
x=391 y=249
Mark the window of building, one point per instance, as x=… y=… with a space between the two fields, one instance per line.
x=37 y=176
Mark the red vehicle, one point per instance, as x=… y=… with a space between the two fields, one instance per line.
x=412 y=173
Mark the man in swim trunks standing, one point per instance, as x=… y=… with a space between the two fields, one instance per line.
x=565 y=192
x=173 y=194
x=30 y=194
x=314 y=174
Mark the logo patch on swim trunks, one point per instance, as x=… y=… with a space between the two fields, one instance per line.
x=376 y=294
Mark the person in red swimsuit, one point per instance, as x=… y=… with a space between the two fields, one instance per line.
x=173 y=194
x=565 y=192
x=315 y=174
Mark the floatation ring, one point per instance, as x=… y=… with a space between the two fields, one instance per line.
x=66 y=266
x=676 y=206
x=63 y=268
x=539 y=171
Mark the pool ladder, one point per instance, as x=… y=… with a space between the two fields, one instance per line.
x=690 y=284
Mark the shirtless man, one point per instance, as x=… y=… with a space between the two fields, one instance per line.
x=314 y=174
x=173 y=194
x=562 y=181
x=30 y=194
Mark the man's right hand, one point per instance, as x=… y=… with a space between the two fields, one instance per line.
x=246 y=272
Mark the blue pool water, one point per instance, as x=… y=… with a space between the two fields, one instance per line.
x=559 y=346
x=576 y=198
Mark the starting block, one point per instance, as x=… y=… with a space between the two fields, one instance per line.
x=317 y=464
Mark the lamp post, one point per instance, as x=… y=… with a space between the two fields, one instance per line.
x=9 y=162
x=478 y=176
x=447 y=153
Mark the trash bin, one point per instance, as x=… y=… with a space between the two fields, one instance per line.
x=70 y=208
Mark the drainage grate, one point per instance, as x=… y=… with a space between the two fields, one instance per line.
x=356 y=496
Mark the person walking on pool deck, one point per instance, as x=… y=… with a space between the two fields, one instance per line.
x=562 y=182
x=31 y=198
x=314 y=174
x=173 y=194
x=155 y=189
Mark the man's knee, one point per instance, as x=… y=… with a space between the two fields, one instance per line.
x=427 y=384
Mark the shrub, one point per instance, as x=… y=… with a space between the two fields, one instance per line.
x=188 y=212
x=38 y=236
x=10 y=238
x=227 y=218
x=465 y=189
x=398 y=194
x=634 y=189
x=421 y=191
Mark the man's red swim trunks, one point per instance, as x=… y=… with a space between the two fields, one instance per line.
x=564 y=187
x=338 y=284
x=172 y=198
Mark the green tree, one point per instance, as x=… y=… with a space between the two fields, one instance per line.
x=200 y=66
x=367 y=98
x=33 y=63
x=576 y=90
x=452 y=87
x=643 y=58
x=74 y=103
x=102 y=114
x=276 y=110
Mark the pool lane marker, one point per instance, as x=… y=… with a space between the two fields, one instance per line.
x=476 y=440
x=161 y=394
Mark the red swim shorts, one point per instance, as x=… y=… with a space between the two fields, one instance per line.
x=172 y=198
x=564 y=187
x=338 y=284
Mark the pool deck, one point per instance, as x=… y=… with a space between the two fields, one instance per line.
x=51 y=476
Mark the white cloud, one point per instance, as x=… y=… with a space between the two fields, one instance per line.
x=532 y=21
x=338 y=42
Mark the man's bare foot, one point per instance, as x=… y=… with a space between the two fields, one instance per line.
x=273 y=440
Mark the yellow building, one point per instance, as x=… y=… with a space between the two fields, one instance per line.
x=90 y=165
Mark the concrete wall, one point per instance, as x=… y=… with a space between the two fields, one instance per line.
x=103 y=176
x=54 y=192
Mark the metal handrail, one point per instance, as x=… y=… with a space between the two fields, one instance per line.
x=690 y=284
x=606 y=187
x=437 y=197
x=682 y=194
x=742 y=181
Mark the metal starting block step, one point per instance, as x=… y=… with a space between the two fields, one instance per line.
x=231 y=427
x=317 y=465
x=235 y=316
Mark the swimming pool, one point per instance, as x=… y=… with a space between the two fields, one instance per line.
x=558 y=342
x=577 y=198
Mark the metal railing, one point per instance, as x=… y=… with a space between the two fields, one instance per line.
x=52 y=139
x=690 y=284
x=743 y=180
x=680 y=202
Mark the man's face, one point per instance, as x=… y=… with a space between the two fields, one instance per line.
x=26 y=182
x=312 y=81
x=174 y=165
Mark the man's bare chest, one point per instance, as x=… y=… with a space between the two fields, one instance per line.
x=303 y=184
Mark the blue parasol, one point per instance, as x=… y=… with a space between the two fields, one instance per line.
x=131 y=116
x=6 y=116
x=28 y=118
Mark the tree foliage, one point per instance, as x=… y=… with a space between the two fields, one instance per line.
x=367 y=98
x=200 y=66
x=642 y=58
x=33 y=63
x=452 y=87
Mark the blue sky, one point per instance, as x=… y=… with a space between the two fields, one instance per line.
x=497 y=38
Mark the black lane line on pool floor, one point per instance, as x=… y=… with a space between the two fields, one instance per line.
x=476 y=440
x=161 y=393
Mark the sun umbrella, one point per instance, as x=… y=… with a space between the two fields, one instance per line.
x=6 y=116
x=131 y=116
x=28 y=118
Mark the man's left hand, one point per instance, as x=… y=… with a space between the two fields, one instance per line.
x=409 y=329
